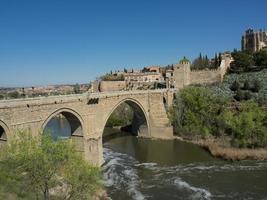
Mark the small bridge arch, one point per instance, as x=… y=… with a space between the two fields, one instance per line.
x=75 y=122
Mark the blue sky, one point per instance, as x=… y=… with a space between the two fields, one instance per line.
x=63 y=41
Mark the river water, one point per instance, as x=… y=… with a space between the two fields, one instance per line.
x=137 y=169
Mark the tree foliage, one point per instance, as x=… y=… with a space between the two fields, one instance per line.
x=245 y=61
x=76 y=88
x=203 y=62
x=247 y=126
x=200 y=113
x=260 y=58
x=113 y=77
x=36 y=167
x=13 y=95
x=121 y=116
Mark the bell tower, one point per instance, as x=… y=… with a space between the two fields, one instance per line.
x=182 y=73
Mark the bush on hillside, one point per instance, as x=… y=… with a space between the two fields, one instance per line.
x=199 y=109
x=247 y=126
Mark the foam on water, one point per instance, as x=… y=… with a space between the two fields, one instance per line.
x=196 y=193
x=119 y=174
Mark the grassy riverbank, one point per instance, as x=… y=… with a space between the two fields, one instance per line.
x=231 y=132
x=218 y=149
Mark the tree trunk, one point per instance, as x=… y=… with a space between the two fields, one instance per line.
x=46 y=193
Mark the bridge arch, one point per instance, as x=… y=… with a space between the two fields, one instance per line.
x=140 y=124
x=76 y=125
x=4 y=133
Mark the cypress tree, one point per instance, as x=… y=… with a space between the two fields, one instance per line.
x=220 y=59
x=216 y=61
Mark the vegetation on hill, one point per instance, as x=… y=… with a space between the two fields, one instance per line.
x=244 y=86
x=112 y=77
x=245 y=61
x=198 y=112
x=36 y=167
x=203 y=62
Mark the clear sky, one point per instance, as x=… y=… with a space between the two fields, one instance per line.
x=61 y=41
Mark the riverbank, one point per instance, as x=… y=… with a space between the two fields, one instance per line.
x=217 y=149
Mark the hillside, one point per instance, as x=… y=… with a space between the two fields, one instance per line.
x=250 y=77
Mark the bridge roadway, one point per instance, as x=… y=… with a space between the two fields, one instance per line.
x=87 y=115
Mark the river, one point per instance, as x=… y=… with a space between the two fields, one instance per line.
x=138 y=168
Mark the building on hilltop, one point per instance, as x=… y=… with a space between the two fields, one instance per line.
x=144 y=77
x=254 y=40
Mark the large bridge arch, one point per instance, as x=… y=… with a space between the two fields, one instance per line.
x=141 y=124
x=75 y=122
x=4 y=132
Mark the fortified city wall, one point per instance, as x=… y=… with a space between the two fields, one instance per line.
x=184 y=76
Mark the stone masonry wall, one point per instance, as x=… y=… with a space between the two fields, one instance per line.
x=107 y=86
x=205 y=76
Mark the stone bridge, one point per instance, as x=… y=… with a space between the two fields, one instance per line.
x=87 y=115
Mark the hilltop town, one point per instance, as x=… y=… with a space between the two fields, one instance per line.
x=202 y=71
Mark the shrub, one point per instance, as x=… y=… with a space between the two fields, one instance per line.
x=247 y=95
x=246 y=85
x=242 y=61
x=235 y=86
x=260 y=58
x=239 y=96
x=247 y=125
x=256 y=86
x=33 y=166
x=13 y=95
x=200 y=109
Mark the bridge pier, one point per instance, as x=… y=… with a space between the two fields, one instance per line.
x=93 y=150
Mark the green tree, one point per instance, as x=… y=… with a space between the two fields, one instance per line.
x=256 y=86
x=235 y=86
x=33 y=166
x=239 y=95
x=247 y=95
x=242 y=62
x=219 y=59
x=76 y=88
x=200 y=110
x=246 y=85
x=13 y=95
x=247 y=125
x=121 y=116
x=216 y=61
x=201 y=62
x=260 y=58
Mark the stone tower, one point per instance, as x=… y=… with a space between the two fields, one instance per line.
x=254 y=40
x=182 y=73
